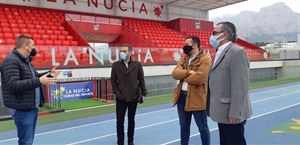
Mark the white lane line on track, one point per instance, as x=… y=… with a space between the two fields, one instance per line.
x=99 y=137
x=276 y=89
x=90 y=107
x=136 y=115
x=260 y=115
x=274 y=97
x=54 y=131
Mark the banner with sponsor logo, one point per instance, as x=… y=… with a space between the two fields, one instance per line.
x=71 y=91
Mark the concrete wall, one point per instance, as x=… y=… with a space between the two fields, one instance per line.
x=289 y=69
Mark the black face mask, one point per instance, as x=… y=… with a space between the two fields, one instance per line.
x=30 y=58
x=33 y=52
x=187 y=49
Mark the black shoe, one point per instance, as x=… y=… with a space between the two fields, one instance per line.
x=131 y=143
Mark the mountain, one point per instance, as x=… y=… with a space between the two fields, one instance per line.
x=275 y=23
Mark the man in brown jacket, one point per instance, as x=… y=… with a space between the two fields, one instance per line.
x=190 y=93
x=127 y=76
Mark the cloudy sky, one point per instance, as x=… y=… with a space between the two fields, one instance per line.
x=252 y=5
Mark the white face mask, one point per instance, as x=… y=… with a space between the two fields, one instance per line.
x=213 y=40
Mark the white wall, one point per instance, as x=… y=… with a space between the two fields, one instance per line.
x=154 y=70
x=299 y=40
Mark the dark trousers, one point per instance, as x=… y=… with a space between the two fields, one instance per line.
x=121 y=107
x=232 y=134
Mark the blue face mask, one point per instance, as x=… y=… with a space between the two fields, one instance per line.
x=213 y=40
x=123 y=56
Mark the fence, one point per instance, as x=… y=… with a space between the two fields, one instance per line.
x=69 y=89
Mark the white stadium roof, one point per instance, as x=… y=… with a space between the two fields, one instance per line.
x=199 y=4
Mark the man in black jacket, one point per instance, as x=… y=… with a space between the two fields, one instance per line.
x=21 y=87
x=127 y=75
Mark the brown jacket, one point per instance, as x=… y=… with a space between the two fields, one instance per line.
x=125 y=81
x=197 y=83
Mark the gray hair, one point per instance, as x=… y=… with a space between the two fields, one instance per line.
x=230 y=29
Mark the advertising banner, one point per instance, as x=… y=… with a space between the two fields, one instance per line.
x=71 y=91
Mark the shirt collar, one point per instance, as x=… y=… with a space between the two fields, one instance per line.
x=193 y=56
x=222 y=47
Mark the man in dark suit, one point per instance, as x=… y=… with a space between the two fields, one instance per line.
x=127 y=76
x=228 y=100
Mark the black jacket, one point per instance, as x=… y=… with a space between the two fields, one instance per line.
x=18 y=84
x=125 y=81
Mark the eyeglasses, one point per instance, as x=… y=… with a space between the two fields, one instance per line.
x=215 y=32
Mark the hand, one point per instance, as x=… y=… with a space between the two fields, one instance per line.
x=47 y=81
x=233 y=120
x=54 y=73
x=179 y=68
x=191 y=72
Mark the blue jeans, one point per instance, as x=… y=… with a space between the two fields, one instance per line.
x=185 y=123
x=25 y=122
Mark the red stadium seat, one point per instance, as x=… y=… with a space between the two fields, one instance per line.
x=12 y=20
x=39 y=57
x=21 y=10
x=38 y=27
x=14 y=25
x=59 y=56
x=20 y=21
x=48 y=56
x=15 y=30
x=48 y=42
x=3 y=18
x=53 y=27
x=46 y=27
x=49 y=32
x=47 y=20
x=53 y=37
x=69 y=38
x=50 y=24
x=24 y=31
x=10 y=41
x=45 y=36
x=33 y=31
x=74 y=43
x=5 y=29
x=61 y=37
x=66 y=43
x=36 y=36
x=2 y=41
x=64 y=32
x=61 y=28
x=58 y=42
x=39 y=42
x=17 y=35
x=4 y=24
x=41 y=31
x=57 y=32
x=41 y=12
x=35 y=22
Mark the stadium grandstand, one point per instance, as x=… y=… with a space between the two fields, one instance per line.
x=66 y=33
